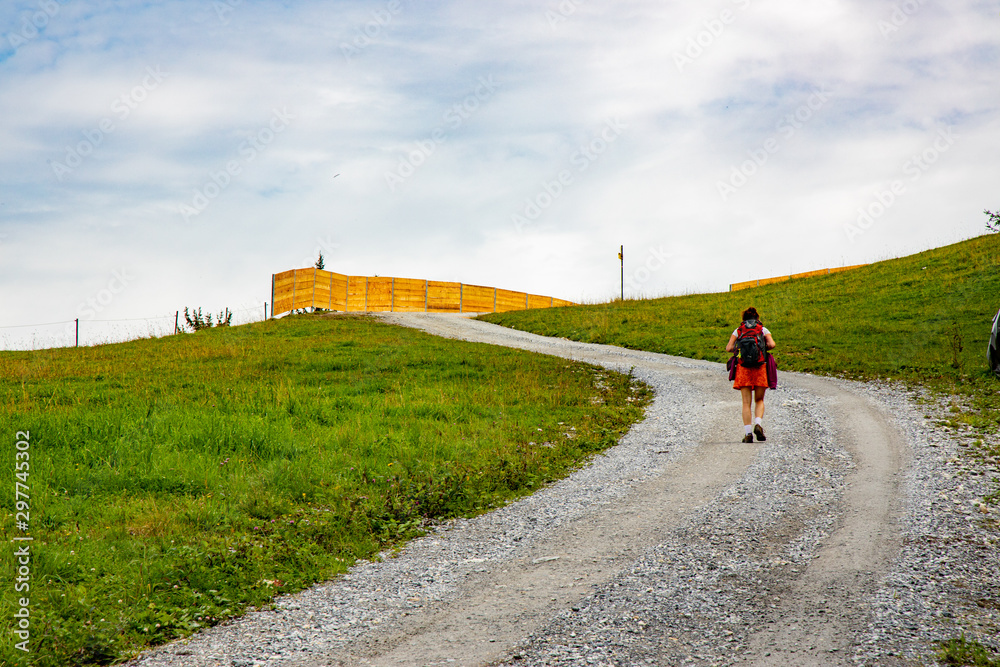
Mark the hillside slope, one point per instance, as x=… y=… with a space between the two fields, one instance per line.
x=922 y=318
x=927 y=313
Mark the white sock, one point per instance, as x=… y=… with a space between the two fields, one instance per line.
x=758 y=421
x=748 y=428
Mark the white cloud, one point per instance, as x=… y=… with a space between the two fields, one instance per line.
x=356 y=116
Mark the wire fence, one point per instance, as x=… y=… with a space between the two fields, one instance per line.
x=89 y=332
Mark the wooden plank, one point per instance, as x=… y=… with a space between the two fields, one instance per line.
x=846 y=268
x=778 y=279
x=284 y=284
x=771 y=281
x=283 y=292
x=338 y=291
x=536 y=301
x=319 y=288
x=477 y=299
x=356 y=294
x=508 y=300
x=304 y=281
x=443 y=297
x=283 y=277
x=321 y=294
x=379 y=294
x=409 y=295
x=810 y=274
x=281 y=306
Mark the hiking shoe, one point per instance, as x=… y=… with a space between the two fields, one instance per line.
x=759 y=432
x=748 y=437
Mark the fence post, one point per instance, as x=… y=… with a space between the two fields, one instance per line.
x=78 y=332
x=272 y=299
x=177 y=319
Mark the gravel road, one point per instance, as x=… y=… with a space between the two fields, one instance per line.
x=854 y=535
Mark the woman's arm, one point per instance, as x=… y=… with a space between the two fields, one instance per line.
x=770 y=342
x=731 y=345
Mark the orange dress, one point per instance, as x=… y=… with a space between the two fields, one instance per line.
x=750 y=377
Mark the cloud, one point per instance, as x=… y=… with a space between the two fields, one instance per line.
x=397 y=86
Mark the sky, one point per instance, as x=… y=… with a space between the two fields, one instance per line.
x=162 y=155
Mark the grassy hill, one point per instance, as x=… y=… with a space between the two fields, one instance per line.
x=173 y=482
x=924 y=318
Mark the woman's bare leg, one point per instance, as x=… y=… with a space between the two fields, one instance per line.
x=758 y=403
x=747 y=393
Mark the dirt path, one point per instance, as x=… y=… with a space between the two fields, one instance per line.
x=811 y=622
x=822 y=610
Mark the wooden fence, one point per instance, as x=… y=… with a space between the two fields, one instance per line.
x=316 y=288
x=780 y=279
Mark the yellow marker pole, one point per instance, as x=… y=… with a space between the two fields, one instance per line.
x=621 y=258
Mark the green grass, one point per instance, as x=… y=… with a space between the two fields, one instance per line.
x=174 y=482
x=960 y=652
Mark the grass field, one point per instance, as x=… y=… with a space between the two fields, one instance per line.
x=176 y=481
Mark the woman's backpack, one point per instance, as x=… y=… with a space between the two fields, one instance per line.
x=750 y=344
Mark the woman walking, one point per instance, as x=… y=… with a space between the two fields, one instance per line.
x=749 y=345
